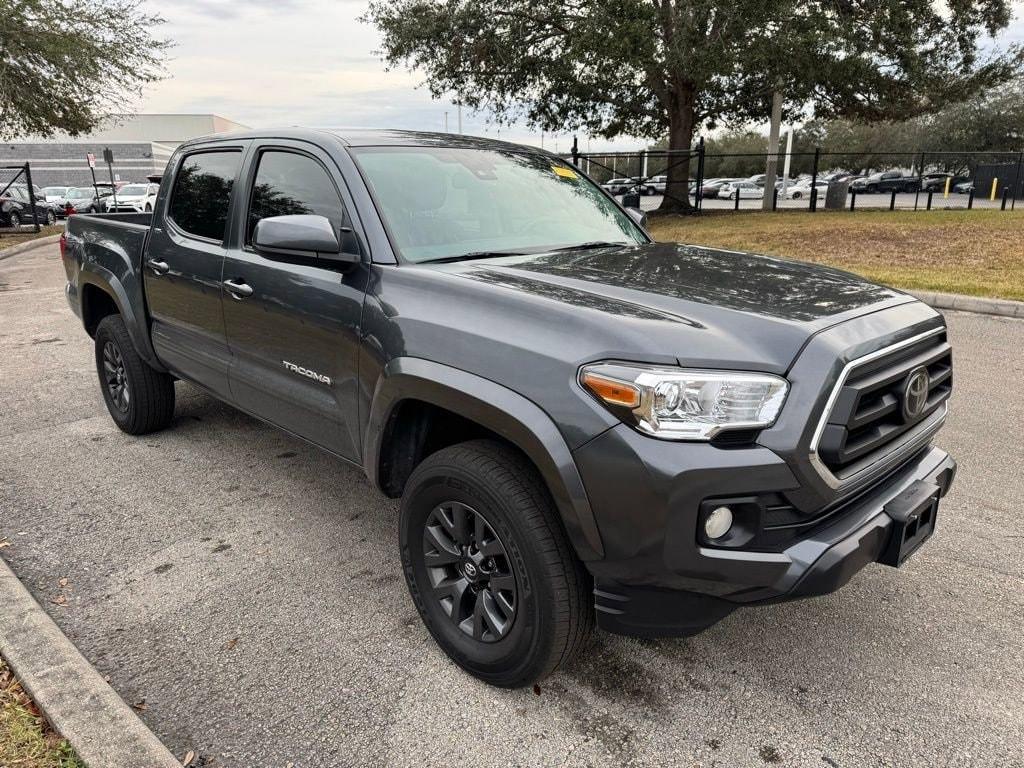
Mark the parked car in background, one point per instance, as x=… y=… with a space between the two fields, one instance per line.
x=84 y=200
x=964 y=187
x=887 y=181
x=658 y=184
x=802 y=190
x=711 y=187
x=936 y=182
x=748 y=190
x=55 y=194
x=18 y=207
x=617 y=186
x=137 y=198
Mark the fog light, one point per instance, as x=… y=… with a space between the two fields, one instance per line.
x=718 y=522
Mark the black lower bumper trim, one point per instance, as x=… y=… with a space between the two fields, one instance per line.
x=652 y=612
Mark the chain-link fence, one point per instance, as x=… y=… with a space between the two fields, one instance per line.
x=702 y=180
x=19 y=200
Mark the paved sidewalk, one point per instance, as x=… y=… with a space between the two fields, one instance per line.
x=247 y=588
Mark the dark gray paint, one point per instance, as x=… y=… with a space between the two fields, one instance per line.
x=500 y=342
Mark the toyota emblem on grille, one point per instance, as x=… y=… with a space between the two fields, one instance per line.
x=915 y=393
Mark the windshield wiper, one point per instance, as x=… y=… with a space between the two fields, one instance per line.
x=589 y=246
x=473 y=255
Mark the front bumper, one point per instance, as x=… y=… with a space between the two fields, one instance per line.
x=658 y=580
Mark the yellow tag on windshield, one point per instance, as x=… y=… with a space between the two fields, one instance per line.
x=565 y=173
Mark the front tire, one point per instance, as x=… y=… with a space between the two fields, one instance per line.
x=489 y=566
x=14 y=221
x=140 y=399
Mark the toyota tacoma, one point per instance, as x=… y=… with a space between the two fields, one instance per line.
x=583 y=425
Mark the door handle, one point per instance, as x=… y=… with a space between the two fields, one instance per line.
x=238 y=289
x=159 y=267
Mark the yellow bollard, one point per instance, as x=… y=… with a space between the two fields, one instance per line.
x=995 y=183
x=945 y=192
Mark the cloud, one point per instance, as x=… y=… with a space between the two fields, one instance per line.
x=290 y=62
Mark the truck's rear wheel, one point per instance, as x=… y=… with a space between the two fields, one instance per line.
x=140 y=399
x=489 y=567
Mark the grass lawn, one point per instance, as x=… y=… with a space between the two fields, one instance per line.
x=9 y=238
x=977 y=252
x=26 y=741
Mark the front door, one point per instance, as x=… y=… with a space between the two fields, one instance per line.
x=293 y=330
x=182 y=268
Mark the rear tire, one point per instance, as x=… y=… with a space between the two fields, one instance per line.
x=139 y=398
x=489 y=567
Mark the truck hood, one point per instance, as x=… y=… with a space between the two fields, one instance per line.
x=702 y=304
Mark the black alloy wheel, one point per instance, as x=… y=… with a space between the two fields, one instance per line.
x=489 y=566
x=470 y=571
x=115 y=377
x=139 y=398
x=15 y=221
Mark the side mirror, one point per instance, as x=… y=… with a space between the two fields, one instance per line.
x=305 y=235
x=639 y=217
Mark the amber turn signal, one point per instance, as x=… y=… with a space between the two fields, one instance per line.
x=611 y=391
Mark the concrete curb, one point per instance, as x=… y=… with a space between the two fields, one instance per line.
x=14 y=250
x=79 y=704
x=976 y=304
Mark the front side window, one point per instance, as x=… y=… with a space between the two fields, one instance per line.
x=289 y=184
x=443 y=202
x=202 y=193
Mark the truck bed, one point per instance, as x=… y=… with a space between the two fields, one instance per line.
x=108 y=249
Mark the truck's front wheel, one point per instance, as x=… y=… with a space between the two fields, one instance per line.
x=140 y=399
x=488 y=564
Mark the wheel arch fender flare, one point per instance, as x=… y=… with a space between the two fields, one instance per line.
x=499 y=409
x=98 y=276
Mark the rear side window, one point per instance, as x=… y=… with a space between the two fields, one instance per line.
x=290 y=184
x=202 y=192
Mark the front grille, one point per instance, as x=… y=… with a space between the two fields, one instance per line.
x=870 y=411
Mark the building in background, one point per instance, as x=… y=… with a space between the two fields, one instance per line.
x=141 y=145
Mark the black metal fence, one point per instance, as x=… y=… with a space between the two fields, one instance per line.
x=894 y=180
x=18 y=200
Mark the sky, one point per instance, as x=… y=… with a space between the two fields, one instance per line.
x=311 y=62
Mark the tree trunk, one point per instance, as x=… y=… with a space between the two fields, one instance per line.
x=680 y=140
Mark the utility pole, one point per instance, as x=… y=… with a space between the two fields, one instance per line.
x=785 y=164
x=460 y=117
x=771 y=166
x=446 y=121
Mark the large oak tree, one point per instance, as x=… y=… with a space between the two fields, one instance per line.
x=67 y=65
x=652 y=68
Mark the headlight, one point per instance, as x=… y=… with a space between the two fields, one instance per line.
x=686 y=404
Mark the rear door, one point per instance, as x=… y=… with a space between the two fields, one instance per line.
x=294 y=337
x=183 y=263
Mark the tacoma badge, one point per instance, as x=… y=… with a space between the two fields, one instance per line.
x=306 y=372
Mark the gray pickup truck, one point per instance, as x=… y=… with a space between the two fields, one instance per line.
x=583 y=425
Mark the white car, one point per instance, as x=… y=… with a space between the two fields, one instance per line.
x=134 y=198
x=748 y=190
x=802 y=190
x=56 y=195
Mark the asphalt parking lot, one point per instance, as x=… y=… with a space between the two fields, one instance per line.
x=243 y=590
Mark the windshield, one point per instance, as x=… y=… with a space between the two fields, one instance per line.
x=50 y=191
x=132 y=190
x=445 y=202
x=77 y=193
